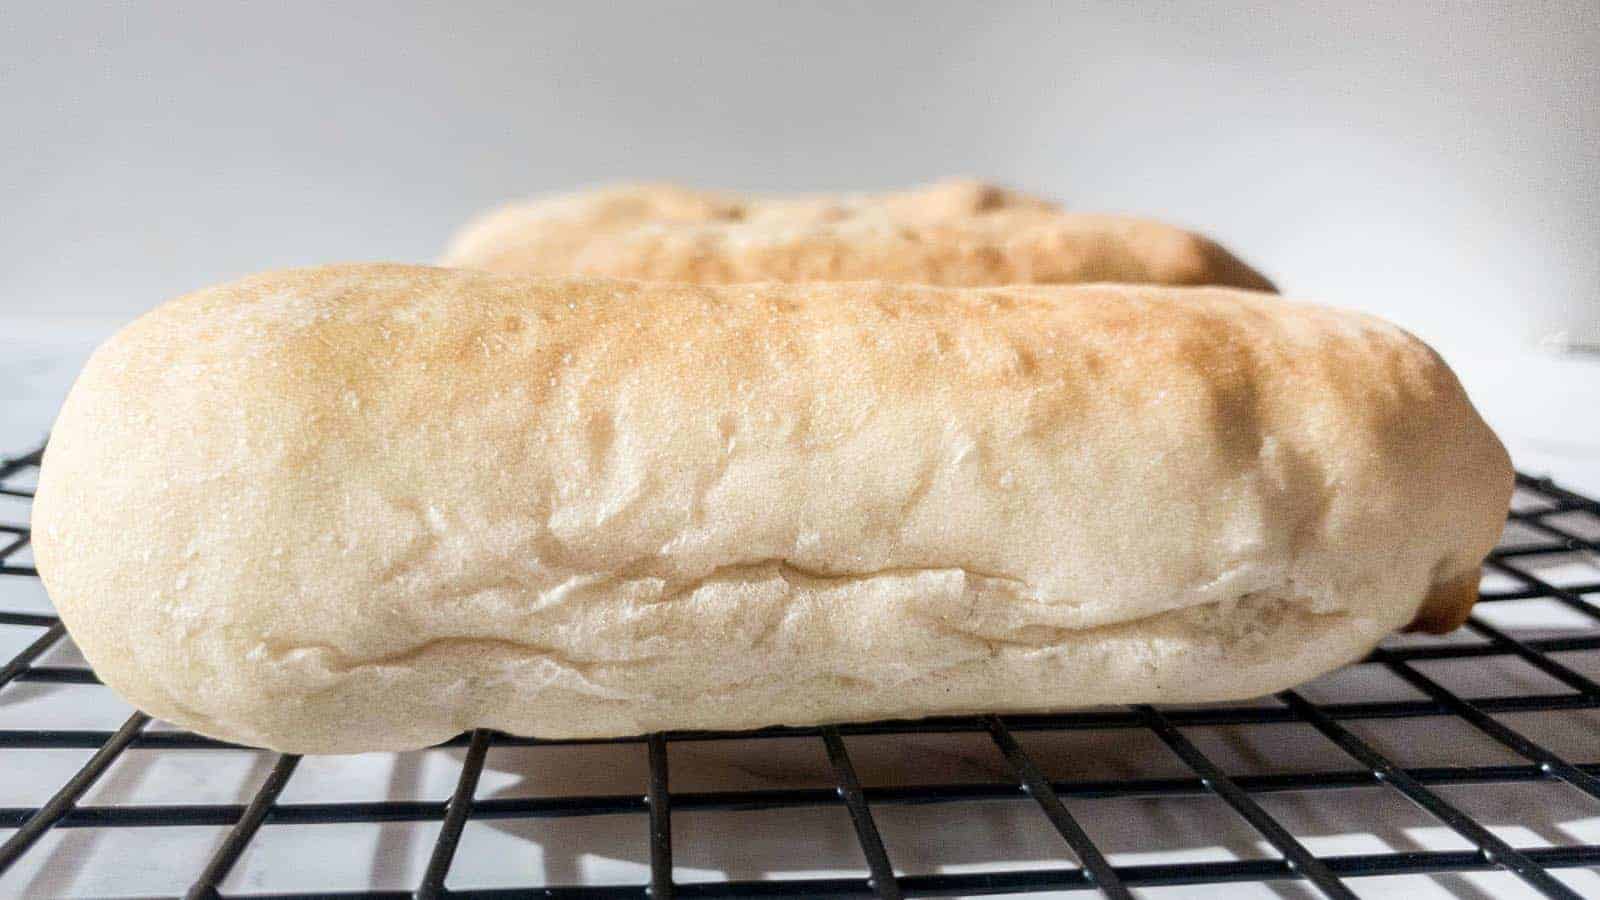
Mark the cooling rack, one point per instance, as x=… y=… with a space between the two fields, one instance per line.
x=1546 y=521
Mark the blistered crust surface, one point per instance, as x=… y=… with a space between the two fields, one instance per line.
x=364 y=507
x=957 y=233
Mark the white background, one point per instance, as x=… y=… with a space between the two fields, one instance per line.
x=1438 y=162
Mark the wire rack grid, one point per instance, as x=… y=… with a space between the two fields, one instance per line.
x=1552 y=520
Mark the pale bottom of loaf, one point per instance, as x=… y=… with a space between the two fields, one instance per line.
x=314 y=701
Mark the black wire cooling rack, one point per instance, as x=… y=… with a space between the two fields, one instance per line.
x=1559 y=521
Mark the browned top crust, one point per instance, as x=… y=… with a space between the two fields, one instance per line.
x=956 y=233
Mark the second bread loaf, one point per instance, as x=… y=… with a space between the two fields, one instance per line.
x=957 y=233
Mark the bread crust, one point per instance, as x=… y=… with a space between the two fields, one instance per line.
x=1448 y=604
x=366 y=507
x=953 y=233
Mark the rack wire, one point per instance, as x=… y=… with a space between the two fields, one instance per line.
x=1559 y=519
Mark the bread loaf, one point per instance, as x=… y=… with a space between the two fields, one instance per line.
x=366 y=507
x=958 y=233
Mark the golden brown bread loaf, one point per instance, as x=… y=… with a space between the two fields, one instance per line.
x=366 y=507
x=957 y=233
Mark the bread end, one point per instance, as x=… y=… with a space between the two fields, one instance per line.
x=1447 y=605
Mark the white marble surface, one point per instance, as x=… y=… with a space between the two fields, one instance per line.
x=1545 y=407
